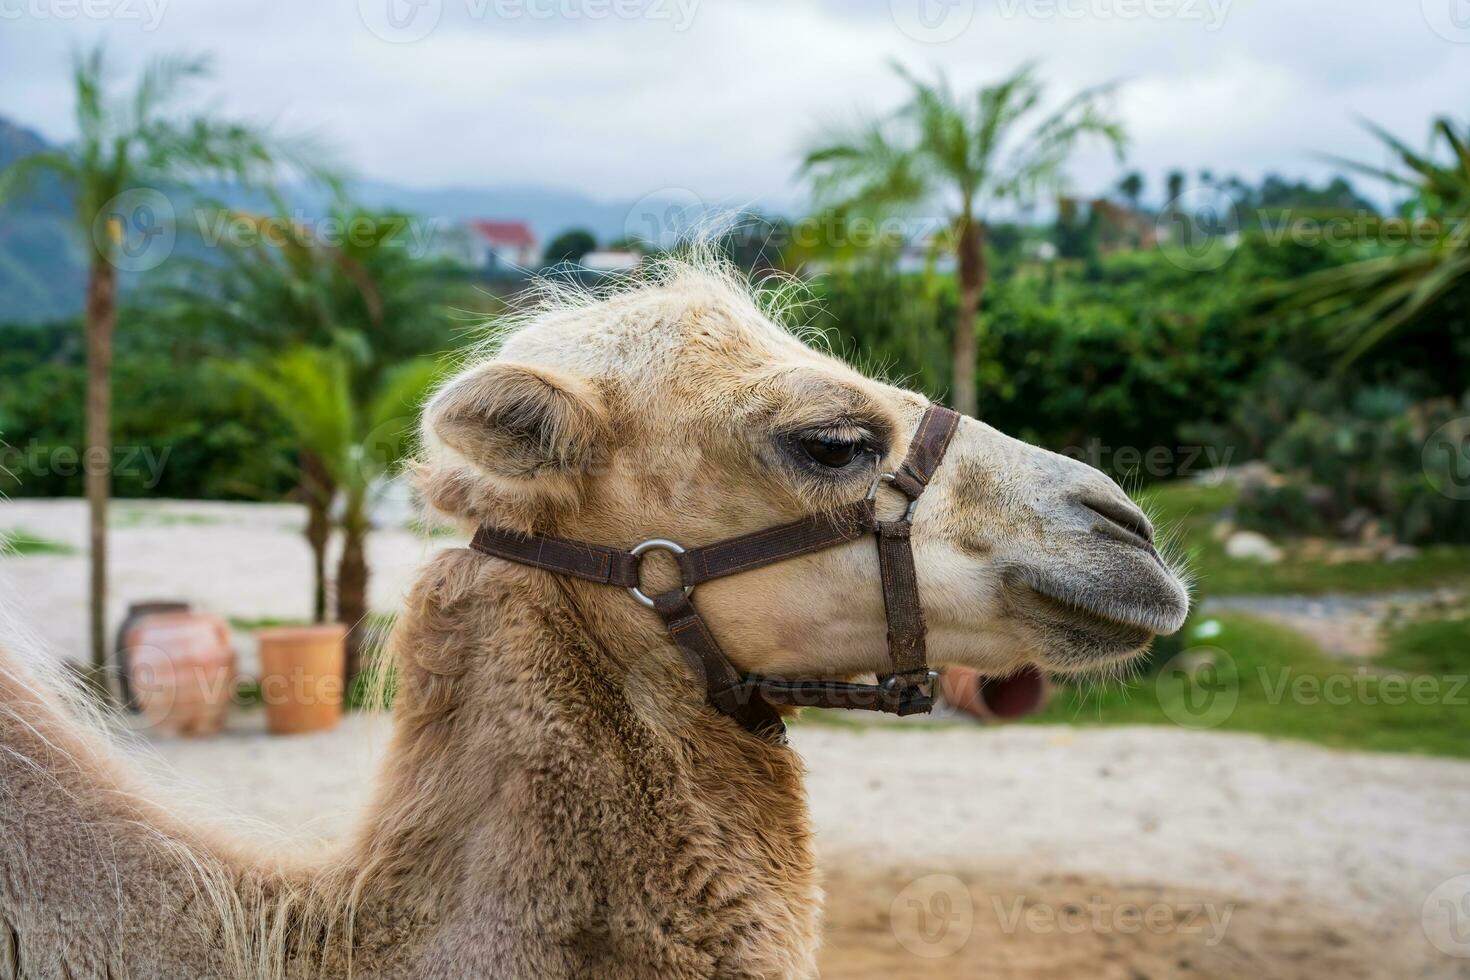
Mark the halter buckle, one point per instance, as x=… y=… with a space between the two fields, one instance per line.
x=909 y=699
x=654 y=544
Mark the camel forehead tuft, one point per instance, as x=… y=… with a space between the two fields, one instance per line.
x=681 y=315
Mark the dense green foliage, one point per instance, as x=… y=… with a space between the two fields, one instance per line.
x=179 y=428
x=1110 y=363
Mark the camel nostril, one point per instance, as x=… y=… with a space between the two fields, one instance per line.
x=1121 y=520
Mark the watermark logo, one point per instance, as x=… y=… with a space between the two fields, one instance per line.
x=1450 y=19
x=933 y=916
x=136 y=230
x=1199 y=230
x=1446 y=917
x=1446 y=459
x=400 y=21
x=932 y=21
x=665 y=217
x=1199 y=687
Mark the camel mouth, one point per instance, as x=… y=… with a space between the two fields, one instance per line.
x=1084 y=619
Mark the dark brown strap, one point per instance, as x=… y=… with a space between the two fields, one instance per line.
x=726 y=689
x=841 y=694
x=906 y=630
x=608 y=566
x=776 y=544
x=931 y=442
x=901 y=602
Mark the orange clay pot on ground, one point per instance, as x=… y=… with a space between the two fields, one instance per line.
x=301 y=677
x=181 y=670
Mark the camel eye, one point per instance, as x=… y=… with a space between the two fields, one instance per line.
x=833 y=453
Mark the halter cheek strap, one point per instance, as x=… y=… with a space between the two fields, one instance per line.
x=751 y=699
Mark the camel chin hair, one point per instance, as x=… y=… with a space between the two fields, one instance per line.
x=557 y=799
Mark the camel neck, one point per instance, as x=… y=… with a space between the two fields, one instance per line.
x=542 y=761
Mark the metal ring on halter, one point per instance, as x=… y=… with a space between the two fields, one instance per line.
x=908 y=514
x=660 y=544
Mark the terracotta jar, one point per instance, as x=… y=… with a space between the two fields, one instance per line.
x=301 y=681
x=181 y=670
x=136 y=612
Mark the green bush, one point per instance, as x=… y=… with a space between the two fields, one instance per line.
x=1350 y=456
x=178 y=429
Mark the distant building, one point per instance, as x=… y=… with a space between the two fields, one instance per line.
x=502 y=246
x=489 y=248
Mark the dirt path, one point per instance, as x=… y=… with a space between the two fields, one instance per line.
x=1345 y=626
x=1041 y=852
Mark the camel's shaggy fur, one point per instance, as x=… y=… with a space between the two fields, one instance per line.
x=557 y=800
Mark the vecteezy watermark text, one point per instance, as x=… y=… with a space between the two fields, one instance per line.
x=1210 y=13
x=148 y=13
x=1101 y=916
x=406 y=21
x=1155 y=461
x=36 y=459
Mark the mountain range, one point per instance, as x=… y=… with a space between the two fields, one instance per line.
x=43 y=258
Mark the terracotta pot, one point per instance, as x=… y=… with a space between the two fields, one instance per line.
x=181 y=670
x=136 y=611
x=301 y=677
x=995 y=699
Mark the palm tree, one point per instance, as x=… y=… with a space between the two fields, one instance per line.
x=283 y=285
x=1175 y=184
x=1131 y=187
x=959 y=155
x=138 y=144
x=357 y=440
x=1362 y=303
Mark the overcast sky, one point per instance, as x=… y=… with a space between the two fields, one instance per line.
x=620 y=98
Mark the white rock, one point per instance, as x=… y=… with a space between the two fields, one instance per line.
x=1250 y=546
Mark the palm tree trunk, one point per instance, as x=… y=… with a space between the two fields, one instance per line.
x=317 y=492
x=972 y=286
x=101 y=319
x=352 y=582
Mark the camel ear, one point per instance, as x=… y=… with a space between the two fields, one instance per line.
x=519 y=422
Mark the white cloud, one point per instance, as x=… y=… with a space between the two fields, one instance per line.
x=618 y=106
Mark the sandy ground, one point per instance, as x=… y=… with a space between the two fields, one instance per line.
x=1023 y=852
x=1033 y=852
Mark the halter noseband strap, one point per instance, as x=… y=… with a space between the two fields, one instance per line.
x=748 y=698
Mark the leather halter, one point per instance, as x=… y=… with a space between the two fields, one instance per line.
x=750 y=699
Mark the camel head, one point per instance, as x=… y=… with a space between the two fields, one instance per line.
x=681 y=409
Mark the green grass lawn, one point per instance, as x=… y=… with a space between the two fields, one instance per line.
x=1257 y=677
x=1185 y=513
x=1429 y=646
x=1273 y=681
x=18 y=541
